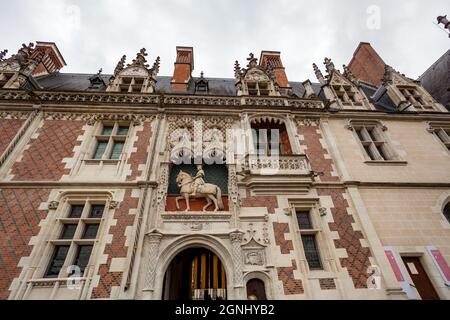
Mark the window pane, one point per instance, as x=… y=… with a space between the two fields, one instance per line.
x=382 y=153
x=57 y=261
x=107 y=130
x=360 y=135
x=447 y=212
x=76 y=211
x=304 y=220
x=100 y=151
x=372 y=135
x=90 y=231
x=369 y=153
x=117 y=150
x=97 y=211
x=311 y=251
x=83 y=256
x=123 y=131
x=68 y=231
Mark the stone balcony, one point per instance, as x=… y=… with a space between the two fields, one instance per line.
x=277 y=174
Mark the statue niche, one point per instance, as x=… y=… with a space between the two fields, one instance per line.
x=196 y=187
x=202 y=187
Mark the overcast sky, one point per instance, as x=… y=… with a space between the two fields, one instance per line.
x=93 y=34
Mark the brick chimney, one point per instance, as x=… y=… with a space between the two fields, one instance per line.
x=273 y=59
x=52 y=60
x=367 y=65
x=184 y=65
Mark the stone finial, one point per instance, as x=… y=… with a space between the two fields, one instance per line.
x=329 y=65
x=319 y=74
x=388 y=75
x=100 y=71
x=237 y=70
x=348 y=73
x=444 y=21
x=3 y=54
x=120 y=65
x=202 y=74
x=155 y=67
x=23 y=54
x=252 y=61
x=140 y=59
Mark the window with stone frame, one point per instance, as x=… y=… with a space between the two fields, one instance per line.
x=270 y=138
x=309 y=239
x=73 y=246
x=416 y=99
x=258 y=88
x=110 y=141
x=131 y=84
x=347 y=94
x=4 y=78
x=442 y=131
x=374 y=142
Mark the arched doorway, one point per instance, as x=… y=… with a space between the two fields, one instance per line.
x=256 y=289
x=195 y=274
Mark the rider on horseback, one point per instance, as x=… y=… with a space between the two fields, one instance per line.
x=199 y=180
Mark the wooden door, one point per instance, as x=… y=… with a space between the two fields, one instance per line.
x=420 y=278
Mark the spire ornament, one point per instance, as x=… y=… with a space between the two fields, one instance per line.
x=3 y=54
x=329 y=65
x=120 y=65
x=252 y=61
x=140 y=60
x=319 y=74
x=348 y=74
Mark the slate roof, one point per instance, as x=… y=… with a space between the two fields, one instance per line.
x=217 y=86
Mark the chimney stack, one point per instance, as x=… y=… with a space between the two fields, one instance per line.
x=52 y=60
x=184 y=65
x=272 y=59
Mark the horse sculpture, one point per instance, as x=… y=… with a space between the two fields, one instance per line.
x=210 y=192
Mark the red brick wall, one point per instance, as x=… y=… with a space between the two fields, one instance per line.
x=43 y=160
x=140 y=156
x=367 y=65
x=291 y=285
x=358 y=261
x=19 y=221
x=280 y=229
x=117 y=248
x=8 y=130
x=269 y=202
x=316 y=153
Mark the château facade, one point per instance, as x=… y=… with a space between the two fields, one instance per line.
x=139 y=186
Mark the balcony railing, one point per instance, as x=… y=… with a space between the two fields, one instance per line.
x=277 y=165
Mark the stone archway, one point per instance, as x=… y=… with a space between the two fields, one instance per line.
x=183 y=243
x=195 y=274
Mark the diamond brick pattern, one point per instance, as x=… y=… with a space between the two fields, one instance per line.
x=280 y=229
x=269 y=202
x=43 y=160
x=19 y=221
x=8 y=130
x=140 y=156
x=327 y=284
x=316 y=153
x=291 y=285
x=358 y=261
x=117 y=248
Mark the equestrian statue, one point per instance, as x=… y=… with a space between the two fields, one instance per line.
x=197 y=188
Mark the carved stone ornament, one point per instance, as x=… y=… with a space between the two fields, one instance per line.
x=53 y=205
x=114 y=204
x=323 y=212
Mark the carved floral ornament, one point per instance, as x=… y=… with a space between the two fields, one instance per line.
x=91 y=119
x=351 y=124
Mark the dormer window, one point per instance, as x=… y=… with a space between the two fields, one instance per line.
x=415 y=98
x=131 y=84
x=258 y=88
x=201 y=85
x=346 y=94
x=270 y=138
x=4 y=78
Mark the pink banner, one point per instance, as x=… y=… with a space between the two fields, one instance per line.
x=437 y=255
x=394 y=265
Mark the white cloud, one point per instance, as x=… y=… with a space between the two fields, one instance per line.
x=94 y=34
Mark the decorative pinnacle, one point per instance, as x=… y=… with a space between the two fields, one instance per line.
x=120 y=65
x=3 y=54
x=348 y=73
x=155 y=68
x=252 y=61
x=329 y=65
x=237 y=69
